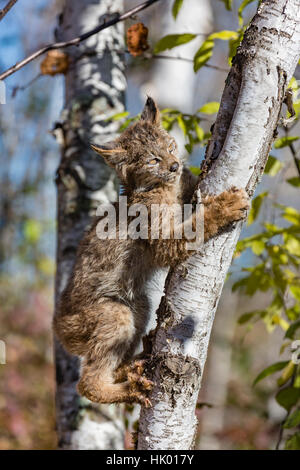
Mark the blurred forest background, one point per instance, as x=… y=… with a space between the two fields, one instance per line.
x=249 y=330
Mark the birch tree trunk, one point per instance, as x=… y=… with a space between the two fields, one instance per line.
x=236 y=156
x=94 y=90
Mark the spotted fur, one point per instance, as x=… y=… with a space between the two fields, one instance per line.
x=104 y=309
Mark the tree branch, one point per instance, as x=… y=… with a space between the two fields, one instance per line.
x=236 y=156
x=184 y=59
x=295 y=158
x=112 y=19
x=6 y=9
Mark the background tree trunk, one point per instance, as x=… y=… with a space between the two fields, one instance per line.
x=94 y=90
x=236 y=156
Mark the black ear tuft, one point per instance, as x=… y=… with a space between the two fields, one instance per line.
x=151 y=112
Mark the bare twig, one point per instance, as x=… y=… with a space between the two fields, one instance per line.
x=295 y=158
x=17 y=88
x=157 y=56
x=6 y=9
x=211 y=66
x=293 y=152
x=113 y=19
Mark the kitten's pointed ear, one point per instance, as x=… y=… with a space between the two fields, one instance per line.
x=151 y=112
x=112 y=153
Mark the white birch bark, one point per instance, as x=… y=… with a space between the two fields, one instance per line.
x=217 y=374
x=236 y=156
x=169 y=76
x=94 y=90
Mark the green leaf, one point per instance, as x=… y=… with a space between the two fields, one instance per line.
x=199 y=131
x=247 y=242
x=224 y=35
x=258 y=247
x=188 y=148
x=195 y=170
x=295 y=291
x=288 y=397
x=247 y=317
x=182 y=124
x=292 y=244
x=127 y=123
x=118 y=116
x=293 y=420
x=286 y=374
x=297 y=381
x=172 y=40
x=228 y=4
x=169 y=118
x=292 y=215
x=255 y=207
x=46 y=266
x=233 y=45
x=284 y=142
x=293 y=313
x=272 y=230
x=209 y=108
x=273 y=166
x=170 y=111
x=259 y=279
x=32 y=230
x=203 y=54
x=294 y=182
x=290 y=333
x=270 y=370
x=293 y=442
x=176 y=7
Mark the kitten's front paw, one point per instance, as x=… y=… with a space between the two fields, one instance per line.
x=140 y=385
x=236 y=203
x=136 y=376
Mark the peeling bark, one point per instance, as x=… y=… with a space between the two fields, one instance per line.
x=94 y=90
x=236 y=156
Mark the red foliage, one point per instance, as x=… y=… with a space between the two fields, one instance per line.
x=27 y=378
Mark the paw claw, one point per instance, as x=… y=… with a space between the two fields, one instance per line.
x=147 y=403
x=142 y=399
x=138 y=380
x=139 y=366
x=140 y=385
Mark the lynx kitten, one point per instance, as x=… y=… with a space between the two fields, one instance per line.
x=104 y=309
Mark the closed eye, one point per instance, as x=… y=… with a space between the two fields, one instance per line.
x=154 y=161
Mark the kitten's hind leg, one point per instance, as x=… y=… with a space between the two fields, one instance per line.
x=73 y=332
x=103 y=389
x=112 y=338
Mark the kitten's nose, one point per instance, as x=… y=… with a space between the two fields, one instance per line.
x=174 y=167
